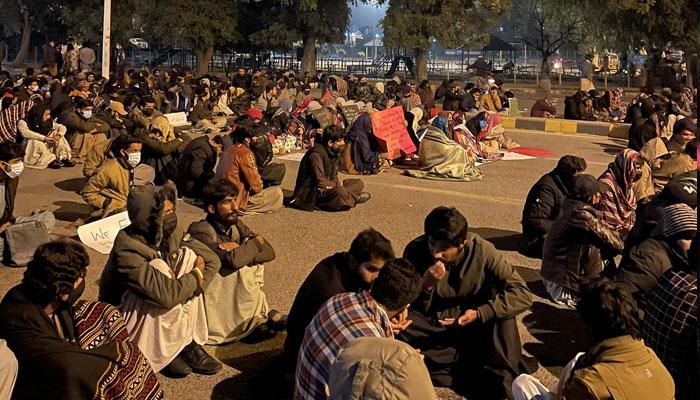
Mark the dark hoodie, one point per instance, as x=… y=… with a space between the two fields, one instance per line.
x=141 y=242
x=643 y=129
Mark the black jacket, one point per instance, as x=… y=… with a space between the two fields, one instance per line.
x=544 y=201
x=330 y=277
x=241 y=81
x=196 y=167
x=467 y=103
x=640 y=132
x=306 y=187
x=452 y=100
x=10 y=193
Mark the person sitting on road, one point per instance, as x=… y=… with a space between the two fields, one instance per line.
x=83 y=131
x=235 y=302
x=653 y=153
x=544 y=108
x=578 y=242
x=684 y=131
x=676 y=164
x=203 y=113
x=619 y=366
x=349 y=316
x=102 y=152
x=108 y=189
x=11 y=156
x=351 y=271
x=268 y=100
x=379 y=368
x=156 y=277
x=68 y=347
x=670 y=325
x=365 y=155
x=143 y=115
x=44 y=140
x=644 y=125
x=466 y=311
x=160 y=149
x=619 y=203
x=491 y=102
x=464 y=319
x=641 y=268
x=317 y=184
x=544 y=202
x=196 y=165
x=238 y=166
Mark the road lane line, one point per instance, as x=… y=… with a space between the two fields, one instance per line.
x=492 y=199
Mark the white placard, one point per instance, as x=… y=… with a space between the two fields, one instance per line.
x=292 y=156
x=100 y=235
x=177 y=119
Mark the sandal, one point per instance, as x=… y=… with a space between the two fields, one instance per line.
x=276 y=320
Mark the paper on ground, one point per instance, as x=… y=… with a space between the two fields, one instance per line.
x=100 y=235
x=292 y=156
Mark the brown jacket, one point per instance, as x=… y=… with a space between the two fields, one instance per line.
x=572 y=248
x=620 y=368
x=675 y=164
x=238 y=166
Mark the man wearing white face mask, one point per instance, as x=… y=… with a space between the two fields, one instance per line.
x=11 y=156
x=108 y=189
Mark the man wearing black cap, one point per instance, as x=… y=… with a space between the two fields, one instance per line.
x=572 y=249
x=644 y=128
x=464 y=320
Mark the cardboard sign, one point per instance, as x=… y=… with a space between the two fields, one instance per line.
x=100 y=235
x=177 y=119
x=321 y=117
x=390 y=129
x=349 y=112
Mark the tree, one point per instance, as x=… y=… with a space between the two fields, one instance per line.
x=552 y=23
x=22 y=17
x=452 y=23
x=84 y=19
x=201 y=24
x=311 y=21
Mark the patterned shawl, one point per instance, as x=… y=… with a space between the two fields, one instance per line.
x=619 y=203
x=12 y=115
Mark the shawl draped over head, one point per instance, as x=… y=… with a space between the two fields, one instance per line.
x=440 y=122
x=618 y=204
x=286 y=105
x=35 y=119
x=10 y=116
x=302 y=107
x=364 y=158
x=443 y=159
x=163 y=125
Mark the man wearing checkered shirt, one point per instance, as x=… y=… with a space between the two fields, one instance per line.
x=348 y=316
x=670 y=325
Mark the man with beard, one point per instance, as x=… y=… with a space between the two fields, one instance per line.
x=317 y=183
x=464 y=320
x=238 y=166
x=342 y=272
x=235 y=303
x=156 y=277
x=145 y=113
x=544 y=201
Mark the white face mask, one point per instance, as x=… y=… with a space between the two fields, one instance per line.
x=133 y=159
x=86 y=114
x=15 y=169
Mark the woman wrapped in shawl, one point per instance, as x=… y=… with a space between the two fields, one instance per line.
x=44 y=141
x=364 y=149
x=619 y=203
x=441 y=158
x=69 y=348
x=161 y=149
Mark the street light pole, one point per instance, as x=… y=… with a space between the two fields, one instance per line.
x=106 y=33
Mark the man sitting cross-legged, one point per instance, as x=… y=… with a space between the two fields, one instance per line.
x=235 y=303
x=342 y=272
x=464 y=320
x=349 y=316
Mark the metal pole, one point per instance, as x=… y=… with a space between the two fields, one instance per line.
x=106 y=36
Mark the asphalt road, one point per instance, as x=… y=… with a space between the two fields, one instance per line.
x=398 y=207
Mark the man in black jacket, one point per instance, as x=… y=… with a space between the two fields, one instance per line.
x=317 y=183
x=196 y=166
x=342 y=272
x=644 y=128
x=544 y=202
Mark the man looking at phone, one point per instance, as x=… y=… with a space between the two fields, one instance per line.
x=464 y=319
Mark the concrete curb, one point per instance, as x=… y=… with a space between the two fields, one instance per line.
x=613 y=130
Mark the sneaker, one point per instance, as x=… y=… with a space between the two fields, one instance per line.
x=363 y=198
x=199 y=360
x=177 y=368
x=67 y=163
x=55 y=164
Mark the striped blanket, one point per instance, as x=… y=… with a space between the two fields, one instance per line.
x=12 y=115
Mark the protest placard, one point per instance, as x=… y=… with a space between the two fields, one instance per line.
x=177 y=119
x=349 y=112
x=389 y=128
x=100 y=235
x=321 y=117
